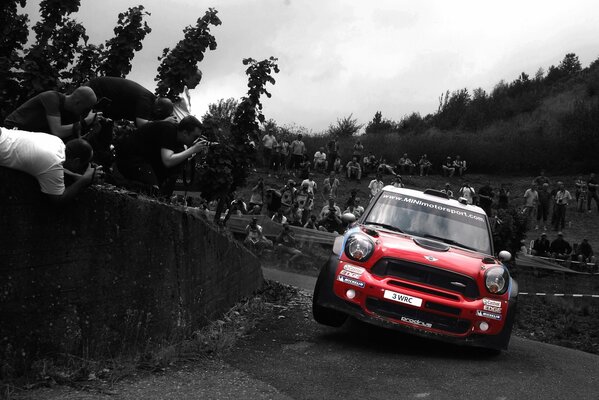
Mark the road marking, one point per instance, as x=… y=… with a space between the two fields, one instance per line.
x=559 y=294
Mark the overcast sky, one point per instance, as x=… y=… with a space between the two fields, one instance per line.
x=342 y=57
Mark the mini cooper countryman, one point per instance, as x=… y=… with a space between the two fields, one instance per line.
x=421 y=263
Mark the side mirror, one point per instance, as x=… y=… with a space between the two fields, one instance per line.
x=505 y=255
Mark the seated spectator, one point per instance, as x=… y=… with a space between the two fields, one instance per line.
x=560 y=249
x=305 y=168
x=237 y=207
x=330 y=217
x=584 y=252
x=447 y=190
x=467 y=192
x=286 y=243
x=358 y=209
x=352 y=197
x=279 y=217
x=311 y=223
x=54 y=113
x=62 y=171
x=288 y=195
x=459 y=165
x=541 y=246
x=255 y=239
x=310 y=184
x=337 y=166
x=294 y=216
x=305 y=199
x=424 y=165
x=448 y=168
x=354 y=170
x=320 y=160
x=406 y=166
x=255 y=210
x=358 y=150
x=154 y=154
x=330 y=186
x=375 y=185
x=384 y=168
x=397 y=181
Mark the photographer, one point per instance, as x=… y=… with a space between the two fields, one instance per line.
x=330 y=217
x=257 y=196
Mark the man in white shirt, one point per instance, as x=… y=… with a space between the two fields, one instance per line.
x=375 y=185
x=48 y=159
x=320 y=160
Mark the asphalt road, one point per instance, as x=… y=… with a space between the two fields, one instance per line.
x=290 y=356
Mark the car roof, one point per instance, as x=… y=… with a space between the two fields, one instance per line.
x=437 y=199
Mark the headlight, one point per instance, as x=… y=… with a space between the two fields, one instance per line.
x=359 y=247
x=496 y=280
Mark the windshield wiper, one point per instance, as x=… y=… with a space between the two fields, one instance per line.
x=449 y=241
x=385 y=226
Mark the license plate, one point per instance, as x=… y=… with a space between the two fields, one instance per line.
x=402 y=298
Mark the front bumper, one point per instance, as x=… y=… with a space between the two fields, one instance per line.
x=418 y=309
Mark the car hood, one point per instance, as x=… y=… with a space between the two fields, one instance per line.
x=433 y=253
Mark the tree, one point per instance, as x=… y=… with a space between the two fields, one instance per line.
x=180 y=64
x=129 y=33
x=346 y=127
x=570 y=65
x=380 y=125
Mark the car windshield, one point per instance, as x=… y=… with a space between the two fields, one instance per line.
x=432 y=220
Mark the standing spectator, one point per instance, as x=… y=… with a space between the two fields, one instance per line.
x=285 y=157
x=539 y=180
x=288 y=195
x=268 y=144
x=330 y=186
x=560 y=249
x=276 y=158
x=354 y=170
x=503 y=197
x=541 y=246
x=320 y=160
x=333 y=152
x=54 y=113
x=581 y=194
x=448 y=168
x=375 y=185
x=305 y=168
x=543 y=205
x=459 y=165
x=531 y=199
x=297 y=150
x=237 y=207
x=286 y=243
x=447 y=190
x=295 y=214
x=310 y=183
x=257 y=196
x=562 y=198
x=255 y=239
x=485 y=198
x=406 y=166
x=467 y=192
x=425 y=165
x=305 y=199
x=592 y=185
x=358 y=151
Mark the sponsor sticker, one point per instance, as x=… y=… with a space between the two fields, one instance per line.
x=417 y=322
x=354 y=269
x=492 y=309
x=402 y=298
x=350 y=281
x=489 y=315
x=491 y=302
x=350 y=274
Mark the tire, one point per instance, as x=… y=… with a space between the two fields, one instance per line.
x=324 y=286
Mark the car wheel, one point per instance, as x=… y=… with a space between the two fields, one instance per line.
x=324 y=287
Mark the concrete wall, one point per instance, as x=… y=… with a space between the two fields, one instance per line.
x=108 y=273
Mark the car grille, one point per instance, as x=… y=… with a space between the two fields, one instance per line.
x=427 y=275
x=396 y=311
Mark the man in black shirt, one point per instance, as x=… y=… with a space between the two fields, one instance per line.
x=154 y=153
x=129 y=100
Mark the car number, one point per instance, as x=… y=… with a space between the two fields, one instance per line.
x=403 y=298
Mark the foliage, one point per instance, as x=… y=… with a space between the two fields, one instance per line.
x=13 y=36
x=509 y=230
x=380 y=125
x=225 y=167
x=128 y=35
x=179 y=64
x=346 y=127
x=219 y=117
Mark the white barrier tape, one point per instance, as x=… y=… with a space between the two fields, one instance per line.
x=559 y=294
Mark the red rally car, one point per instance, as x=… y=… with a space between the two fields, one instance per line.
x=421 y=263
